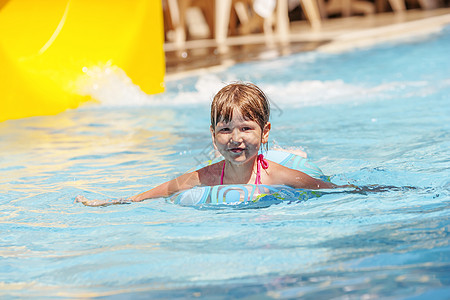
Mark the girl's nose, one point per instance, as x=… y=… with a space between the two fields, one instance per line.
x=236 y=136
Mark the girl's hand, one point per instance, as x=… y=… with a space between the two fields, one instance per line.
x=81 y=199
x=95 y=202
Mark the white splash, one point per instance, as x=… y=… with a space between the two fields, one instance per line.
x=111 y=87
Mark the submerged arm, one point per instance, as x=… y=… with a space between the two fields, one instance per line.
x=304 y=181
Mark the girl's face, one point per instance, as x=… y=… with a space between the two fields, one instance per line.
x=239 y=140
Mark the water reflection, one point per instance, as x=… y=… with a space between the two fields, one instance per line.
x=41 y=154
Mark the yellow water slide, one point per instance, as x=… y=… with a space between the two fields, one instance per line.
x=46 y=44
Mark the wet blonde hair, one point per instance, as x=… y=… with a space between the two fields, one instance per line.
x=247 y=98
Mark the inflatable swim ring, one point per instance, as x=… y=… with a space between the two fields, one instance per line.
x=237 y=194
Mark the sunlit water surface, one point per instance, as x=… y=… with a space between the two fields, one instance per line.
x=376 y=116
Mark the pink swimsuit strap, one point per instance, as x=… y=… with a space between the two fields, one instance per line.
x=260 y=161
x=264 y=164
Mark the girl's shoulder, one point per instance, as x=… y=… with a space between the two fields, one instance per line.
x=293 y=163
x=277 y=170
x=210 y=174
x=278 y=174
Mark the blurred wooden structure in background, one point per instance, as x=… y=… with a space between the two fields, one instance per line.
x=217 y=20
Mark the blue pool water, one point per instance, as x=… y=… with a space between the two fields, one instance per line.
x=373 y=116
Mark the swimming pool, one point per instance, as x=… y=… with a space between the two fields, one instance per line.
x=371 y=116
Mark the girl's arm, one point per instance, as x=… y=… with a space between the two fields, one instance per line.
x=304 y=181
x=183 y=182
x=300 y=180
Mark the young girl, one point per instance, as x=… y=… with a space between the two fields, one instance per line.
x=239 y=128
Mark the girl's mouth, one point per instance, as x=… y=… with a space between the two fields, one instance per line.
x=236 y=150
